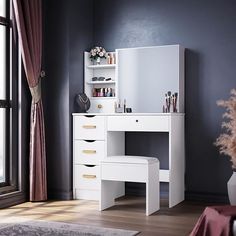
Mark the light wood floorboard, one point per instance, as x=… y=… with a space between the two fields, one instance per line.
x=129 y=213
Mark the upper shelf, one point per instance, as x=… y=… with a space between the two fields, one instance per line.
x=101 y=66
x=102 y=82
x=103 y=98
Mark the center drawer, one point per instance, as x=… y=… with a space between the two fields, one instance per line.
x=87 y=177
x=87 y=152
x=89 y=128
x=138 y=123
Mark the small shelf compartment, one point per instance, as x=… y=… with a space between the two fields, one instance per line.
x=102 y=93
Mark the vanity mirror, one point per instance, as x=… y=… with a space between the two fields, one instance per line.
x=146 y=74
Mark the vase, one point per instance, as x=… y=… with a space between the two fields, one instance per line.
x=98 y=61
x=232 y=189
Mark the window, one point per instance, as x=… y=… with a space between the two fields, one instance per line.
x=8 y=101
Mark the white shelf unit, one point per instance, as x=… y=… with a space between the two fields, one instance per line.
x=100 y=104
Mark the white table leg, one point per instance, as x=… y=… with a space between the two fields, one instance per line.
x=106 y=195
x=152 y=189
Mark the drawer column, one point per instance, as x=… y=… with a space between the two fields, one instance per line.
x=89 y=147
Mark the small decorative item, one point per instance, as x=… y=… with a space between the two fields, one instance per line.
x=95 y=78
x=97 y=53
x=111 y=58
x=82 y=101
x=227 y=141
x=101 y=78
x=98 y=60
x=170 y=100
x=174 y=99
x=118 y=107
x=124 y=105
x=128 y=110
x=108 y=58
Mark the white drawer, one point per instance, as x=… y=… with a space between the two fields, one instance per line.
x=102 y=105
x=138 y=123
x=87 y=177
x=86 y=194
x=89 y=128
x=87 y=152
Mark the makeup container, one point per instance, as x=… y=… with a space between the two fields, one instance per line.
x=124 y=105
x=108 y=58
x=118 y=107
x=94 y=78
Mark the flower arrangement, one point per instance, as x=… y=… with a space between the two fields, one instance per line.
x=227 y=141
x=97 y=52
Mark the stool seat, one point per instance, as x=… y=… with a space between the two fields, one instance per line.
x=130 y=159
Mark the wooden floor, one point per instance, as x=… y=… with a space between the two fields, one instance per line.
x=129 y=213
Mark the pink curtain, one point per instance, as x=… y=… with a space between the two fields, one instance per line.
x=28 y=14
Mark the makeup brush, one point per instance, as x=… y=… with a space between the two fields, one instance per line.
x=175 y=102
x=169 y=100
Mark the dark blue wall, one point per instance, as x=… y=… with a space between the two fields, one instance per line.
x=80 y=40
x=207 y=29
x=68 y=32
x=56 y=99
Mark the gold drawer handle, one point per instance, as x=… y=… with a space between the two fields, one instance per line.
x=99 y=106
x=89 y=126
x=89 y=151
x=89 y=176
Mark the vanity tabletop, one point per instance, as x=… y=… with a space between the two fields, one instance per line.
x=129 y=114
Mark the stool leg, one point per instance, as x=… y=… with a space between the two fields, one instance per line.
x=152 y=189
x=106 y=195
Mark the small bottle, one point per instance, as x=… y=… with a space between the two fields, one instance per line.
x=109 y=92
x=100 y=92
x=124 y=105
x=94 y=92
x=108 y=58
x=112 y=59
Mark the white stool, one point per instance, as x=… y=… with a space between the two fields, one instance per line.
x=132 y=169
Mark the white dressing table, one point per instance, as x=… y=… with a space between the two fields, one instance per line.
x=98 y=135
x=142 y=76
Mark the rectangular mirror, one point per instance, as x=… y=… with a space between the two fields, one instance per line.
x=146 y=74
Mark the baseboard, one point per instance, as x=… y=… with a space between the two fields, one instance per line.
x=135 y=189
x=206 y=197
x=13 y=199
x=60 y=195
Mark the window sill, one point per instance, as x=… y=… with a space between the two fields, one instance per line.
x=12 y=198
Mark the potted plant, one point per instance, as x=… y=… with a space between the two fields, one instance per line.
x=97 y=53
x=227 y=140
